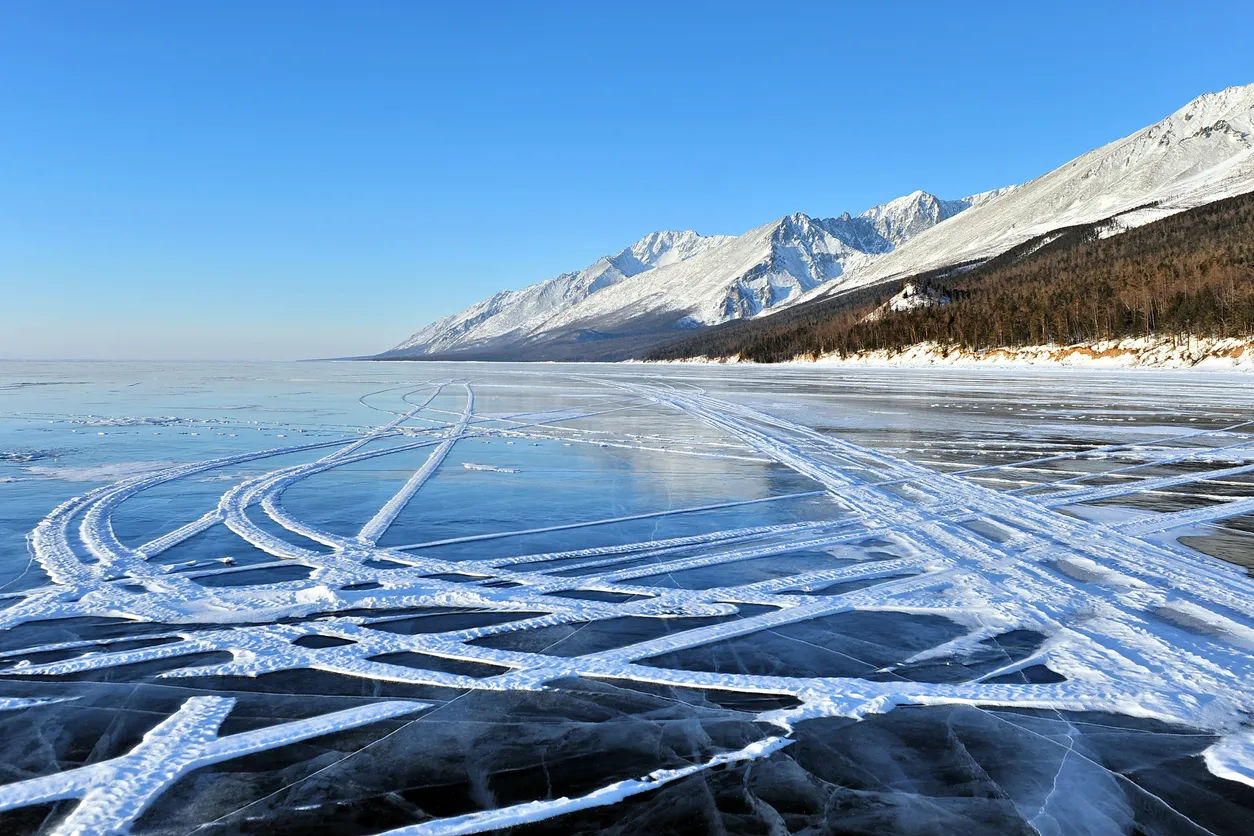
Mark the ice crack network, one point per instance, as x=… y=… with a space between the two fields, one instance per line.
x=1128 y=621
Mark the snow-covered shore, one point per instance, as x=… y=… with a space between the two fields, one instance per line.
x=1200 y=353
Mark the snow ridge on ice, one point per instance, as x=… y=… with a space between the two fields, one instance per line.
x=1132 y=625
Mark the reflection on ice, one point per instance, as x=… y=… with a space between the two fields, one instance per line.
x=420 y=598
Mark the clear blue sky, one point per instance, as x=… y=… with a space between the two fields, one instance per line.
x=261 y=179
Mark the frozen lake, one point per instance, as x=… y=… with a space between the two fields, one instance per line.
x=422 y=598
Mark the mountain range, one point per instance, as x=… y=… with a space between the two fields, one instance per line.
x=671 y=282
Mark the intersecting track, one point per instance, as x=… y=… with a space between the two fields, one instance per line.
x=1132 y=624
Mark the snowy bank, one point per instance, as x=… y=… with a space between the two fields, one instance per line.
x=1202 y=353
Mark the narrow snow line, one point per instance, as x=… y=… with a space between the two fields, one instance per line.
x=1110 y=448
x=648 y=548
x=615 y=405
x=274 y=484
x=235 y=501
x=837 y=537
x=14 y=703
x=535 y=811
x=1142 y=486
x=115 y=792
x=389 y=427
x=49 y=542
x=410 y=387
x=496 y=535
x=1191 y=455
x=208 y=520
x=170 y=540
x=815 y=608
x=619 y=445
x=1142 y=526
x=676 y=554
x=379 y=523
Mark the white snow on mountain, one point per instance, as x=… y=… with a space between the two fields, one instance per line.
x=513 y=313
x=911 y=297
x=1201 y=153
x=684 y=280
x=675 y=280
x=903 y=218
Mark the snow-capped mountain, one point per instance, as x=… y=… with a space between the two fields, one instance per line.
x=903 y=218
x=1201 y=153
x=676 y=280
x=511 y=314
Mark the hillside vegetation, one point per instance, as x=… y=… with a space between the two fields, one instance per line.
x=1190 y=274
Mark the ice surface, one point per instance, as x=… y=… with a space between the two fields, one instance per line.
x=424 y=598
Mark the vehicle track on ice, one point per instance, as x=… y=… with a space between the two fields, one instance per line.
x=1130 y=625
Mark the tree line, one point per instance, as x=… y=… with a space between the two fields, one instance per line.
x=1190 y=274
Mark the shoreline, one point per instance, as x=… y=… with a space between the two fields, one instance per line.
x=1204 y=354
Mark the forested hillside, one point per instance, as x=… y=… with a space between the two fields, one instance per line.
x=1188 y=274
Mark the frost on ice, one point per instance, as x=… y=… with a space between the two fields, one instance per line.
x=1030 y=629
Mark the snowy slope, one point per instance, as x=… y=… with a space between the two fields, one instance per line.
x=510 y=314
x=1201 y=153
x=903 y=218
x=762 y=269
x=911 y=297
x=676 y=280
x=683 y=280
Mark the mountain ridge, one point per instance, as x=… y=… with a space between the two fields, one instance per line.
x=511 y=309
x=1184 y=277
x=770 y=265
x=671 y=281
x=1200 y=153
